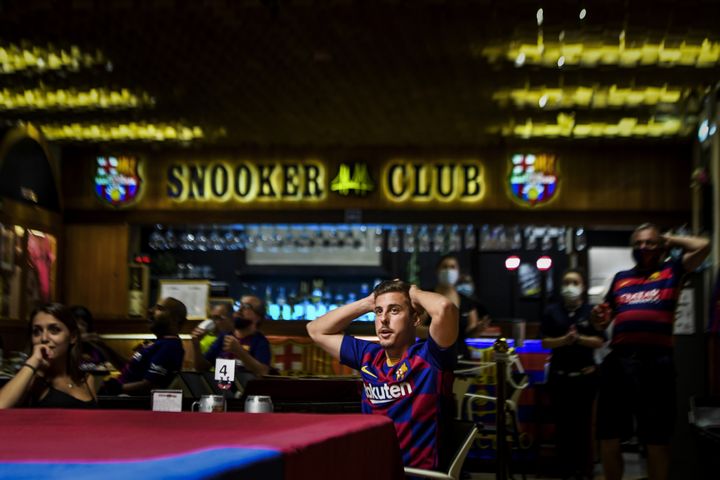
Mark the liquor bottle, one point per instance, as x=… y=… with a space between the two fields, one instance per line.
x=273 y=308
x=285 y=313
x=136 y=293
x=364 y=292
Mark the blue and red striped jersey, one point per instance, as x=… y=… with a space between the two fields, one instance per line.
x=416 y=392
x=644 y=305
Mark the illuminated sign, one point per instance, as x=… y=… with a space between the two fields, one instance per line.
x=533 y=178
x=309 y=180
x=444 y=181
x=117 y=179
x=246 y=181
x=360 y=182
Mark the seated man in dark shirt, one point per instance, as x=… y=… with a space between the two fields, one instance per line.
x=246 y=343
x=154 y=365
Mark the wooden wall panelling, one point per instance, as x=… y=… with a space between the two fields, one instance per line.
x=96 y=268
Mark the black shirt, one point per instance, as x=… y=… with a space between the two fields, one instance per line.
x=467 y=305
x=556 y=322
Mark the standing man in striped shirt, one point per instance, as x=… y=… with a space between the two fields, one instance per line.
x=637 y=379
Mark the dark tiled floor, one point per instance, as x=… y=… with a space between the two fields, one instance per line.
x=634 y=470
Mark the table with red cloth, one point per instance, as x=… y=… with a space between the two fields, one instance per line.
x=112 y=444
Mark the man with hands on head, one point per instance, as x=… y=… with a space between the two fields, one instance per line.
x=407 y=381
x=637 y=378
x=244 y=343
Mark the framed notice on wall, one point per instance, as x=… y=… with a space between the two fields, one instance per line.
x=195 y=294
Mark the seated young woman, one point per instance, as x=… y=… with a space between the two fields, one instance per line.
x=51 y=376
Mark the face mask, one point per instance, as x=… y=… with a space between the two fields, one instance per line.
x=448 y=276
x=571 y=293
x=648 y=257
x=466 y=289
x=242 y=323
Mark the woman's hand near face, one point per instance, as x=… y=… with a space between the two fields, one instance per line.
x=40 y=357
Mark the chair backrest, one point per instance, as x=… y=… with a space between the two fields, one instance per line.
x=457 y=439
x=195 y=384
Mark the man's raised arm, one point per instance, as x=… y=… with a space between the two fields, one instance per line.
x=327 y=331
x=444 y=314
x=695 y=249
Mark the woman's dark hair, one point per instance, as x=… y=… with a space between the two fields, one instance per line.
x=64 y=315
x=445 y=257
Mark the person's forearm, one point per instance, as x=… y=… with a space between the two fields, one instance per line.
x=687 y=242
x=337 y=320
x=137 y=388
x=554 y=342
x=590 y=341
x=434 y=304
x=695 y=249
x=445 y=317
x=199 y=361
x=14 y=390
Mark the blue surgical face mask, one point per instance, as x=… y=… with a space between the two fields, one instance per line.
x=448 y=276
x=466 y=289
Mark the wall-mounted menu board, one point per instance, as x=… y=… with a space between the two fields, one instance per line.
x=195 y=294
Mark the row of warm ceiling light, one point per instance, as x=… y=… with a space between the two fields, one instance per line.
x=43 y=59
x=18 y=58
x=702 y=54
x=592 y=53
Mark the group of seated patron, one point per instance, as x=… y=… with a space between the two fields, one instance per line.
x=65 y=348
x=52 y=378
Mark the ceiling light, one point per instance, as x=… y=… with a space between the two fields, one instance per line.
x=543 y=101
x=593 y=52
x=15 y=58
x=703 y=130
x=539 y=16
x=590 y=96
x=71 y=99
x=567 y=127
x=122 y=132
x=583 y=14
x=561 y=61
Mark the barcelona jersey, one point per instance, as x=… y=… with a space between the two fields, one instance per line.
x=644 y=305
x=157 y=362
x=416 y=392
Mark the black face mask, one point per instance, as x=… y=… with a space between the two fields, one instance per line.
x=647 y=258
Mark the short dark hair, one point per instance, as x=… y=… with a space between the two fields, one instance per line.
x=388 y=286
x=176 y=309
x=227 y=308
x=260 y=308
x=578 y=271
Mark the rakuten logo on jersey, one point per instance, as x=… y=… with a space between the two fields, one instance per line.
x=651 y=296
x=380 y=394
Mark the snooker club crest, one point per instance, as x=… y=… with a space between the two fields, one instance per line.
x=117 y=179
x=533 y=178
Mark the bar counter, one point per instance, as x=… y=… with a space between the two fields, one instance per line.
x=125 y=444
